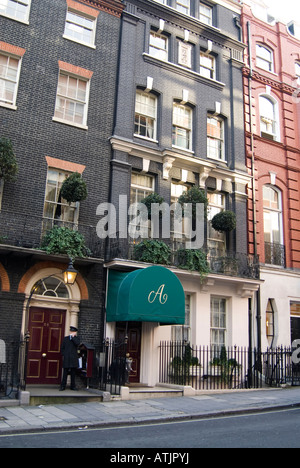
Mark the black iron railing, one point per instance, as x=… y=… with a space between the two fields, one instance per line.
x=225 y=263
x=113 y=368
x=280 y=367
x=213 y=368
x=275 y=254
x=209 y=367
x=12 y=376
x=27 y=231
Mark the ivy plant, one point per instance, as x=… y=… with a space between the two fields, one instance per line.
x=193 y=260
x=74 y=188
x=152 y=251
x=63 y=240
x=8 y=162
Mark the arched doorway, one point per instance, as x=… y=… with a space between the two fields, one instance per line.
x=50 y=308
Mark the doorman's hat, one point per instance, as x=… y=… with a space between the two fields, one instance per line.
x=73 y=329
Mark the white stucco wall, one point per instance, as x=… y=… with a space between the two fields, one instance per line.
x=283 y=287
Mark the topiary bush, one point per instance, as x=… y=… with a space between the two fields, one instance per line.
x=150 y=199
x=195 y=195
x=225 y=221
x=74 y=188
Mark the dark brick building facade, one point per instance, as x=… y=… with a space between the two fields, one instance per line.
x=179 y=123
x=57 y=87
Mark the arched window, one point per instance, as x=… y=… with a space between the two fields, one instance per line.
x=264 y=58
x=297 y=70
x=51 y=287
x=273 y=226
x=269 y=120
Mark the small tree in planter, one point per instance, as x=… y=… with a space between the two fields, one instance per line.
x=8 y=162
x=74 y=188
x=195 y=196
x=62 y=240
x=225 y=221
x=152 y=251
x=150 y=199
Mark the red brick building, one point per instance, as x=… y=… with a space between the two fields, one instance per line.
x=272 y=123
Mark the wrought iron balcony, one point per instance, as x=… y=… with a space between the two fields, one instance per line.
x=226 y=263
x=27 y=231
x=275 y=254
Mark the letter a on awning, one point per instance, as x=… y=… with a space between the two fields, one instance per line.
x=153 y=294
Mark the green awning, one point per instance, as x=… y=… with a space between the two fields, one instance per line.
x=153 y=294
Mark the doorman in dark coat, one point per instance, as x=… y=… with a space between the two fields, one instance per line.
x=70 y=357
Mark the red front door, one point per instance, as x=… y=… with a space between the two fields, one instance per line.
x=46 y=328
x=134 y=331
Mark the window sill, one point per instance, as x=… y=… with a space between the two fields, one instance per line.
x=191 y=152
x=72 y=124
x=184 y=71
x=221 y=161
x=15 y=19
x=91 y=46
x=8 y=106
x=151 y=140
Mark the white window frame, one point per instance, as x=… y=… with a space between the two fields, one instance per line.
x=205 y=70
x=183 y=332
x=72 y=100
x=217 y=324
x=183 y=6
x=75 y=23
x=269 y=125
x=205 y=14
x=4 y=102
x=5 y=6
x=263 y=62
x=211 y=148
x=138 y=191
x=216 y=240
x=145 y=116
x=275 y=215
x=297 y=71
x=65 y=207
x=159 y=46
x=178 y=237
x=180 y=129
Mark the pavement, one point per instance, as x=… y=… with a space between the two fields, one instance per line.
x=100 y=414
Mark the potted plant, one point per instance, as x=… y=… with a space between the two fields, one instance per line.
x=152 y=251
x=74 y=188
x=8 y=162
x=63 y=240
x=225 y=221
x=224 y=368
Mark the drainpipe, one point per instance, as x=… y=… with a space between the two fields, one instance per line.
x=258 y=306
